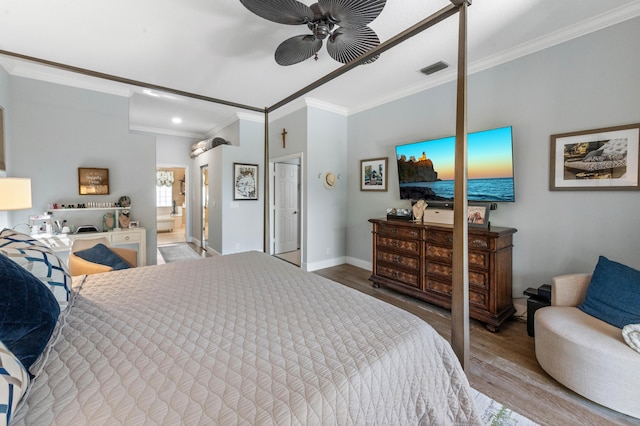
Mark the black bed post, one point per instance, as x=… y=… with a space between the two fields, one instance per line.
x=265 y=202
x=460 y=278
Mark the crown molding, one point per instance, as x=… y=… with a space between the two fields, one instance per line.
x=604 y=20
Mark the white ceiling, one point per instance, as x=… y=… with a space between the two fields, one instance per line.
x=218 y=49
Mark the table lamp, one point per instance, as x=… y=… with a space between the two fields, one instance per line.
x=15 y=193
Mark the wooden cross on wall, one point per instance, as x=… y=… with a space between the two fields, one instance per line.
x=284 y=138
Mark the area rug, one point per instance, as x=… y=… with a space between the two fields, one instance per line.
x=177 y=253
x=495 y=414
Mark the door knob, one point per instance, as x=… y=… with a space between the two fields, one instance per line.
x=295 y=212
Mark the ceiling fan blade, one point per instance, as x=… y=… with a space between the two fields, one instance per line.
x=346 y=44
x=297 y=49
x=351 y=13
x=290 y=12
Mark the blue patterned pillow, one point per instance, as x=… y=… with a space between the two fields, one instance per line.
x=14 y=380
x=103 y=255
x=613 y=295
x=28 y=312
x=40 y=260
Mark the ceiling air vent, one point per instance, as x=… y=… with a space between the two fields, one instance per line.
x=438 y=66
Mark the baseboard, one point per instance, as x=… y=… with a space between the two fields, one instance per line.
x=359 y=263
x=325 y=264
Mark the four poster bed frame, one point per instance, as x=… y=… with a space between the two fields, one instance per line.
x=460 y=296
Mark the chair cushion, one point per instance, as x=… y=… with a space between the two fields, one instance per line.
x=28 y=312
x=40 y=260
x=103 y=255
x=14 y=380
x=613 y=295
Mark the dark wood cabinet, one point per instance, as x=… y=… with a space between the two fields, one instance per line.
x=416 y=259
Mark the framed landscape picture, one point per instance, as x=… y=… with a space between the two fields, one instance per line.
x=373 y=174
x=245 y=181
x=599 y=159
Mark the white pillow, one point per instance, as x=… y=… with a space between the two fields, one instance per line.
x=40 y=260
x=14 y=380
x=631 y=335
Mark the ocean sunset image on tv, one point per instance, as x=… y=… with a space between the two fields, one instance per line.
x=426 y=168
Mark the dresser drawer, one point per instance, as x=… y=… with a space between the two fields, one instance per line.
x=412 y=246
x=445 y=272
x=444 y=288
x=395 y=259
x=399 y=231
x=403 y=277
x=477 y=259
x=446 y=239
x=125 y=237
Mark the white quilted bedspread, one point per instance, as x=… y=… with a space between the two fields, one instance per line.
x=242 y=339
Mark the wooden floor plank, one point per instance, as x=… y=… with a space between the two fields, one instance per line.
x=503 y=365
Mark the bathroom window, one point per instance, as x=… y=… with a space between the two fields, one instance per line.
x=164 y=197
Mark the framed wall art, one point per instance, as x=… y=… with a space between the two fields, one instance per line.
x=93 y=181
x=478 y=214
x=373 y=174
x=599 y=159
x=245 y=181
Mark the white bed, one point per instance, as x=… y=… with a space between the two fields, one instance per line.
x=241 y=339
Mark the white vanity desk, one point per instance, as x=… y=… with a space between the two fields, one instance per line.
x=124 y=237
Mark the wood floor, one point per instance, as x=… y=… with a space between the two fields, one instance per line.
x=503 y=365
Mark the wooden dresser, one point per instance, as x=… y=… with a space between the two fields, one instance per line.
x=415 y=259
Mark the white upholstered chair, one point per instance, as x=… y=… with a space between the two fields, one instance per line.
x=79 y=266
x=583 y=353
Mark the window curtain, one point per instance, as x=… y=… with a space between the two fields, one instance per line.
x=164 y=178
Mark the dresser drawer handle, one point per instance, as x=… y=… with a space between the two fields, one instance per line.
x=450 y=239
x=396 y=243
x=395 y=274
x=394 y=231
x=127 y=238
x=396 y=259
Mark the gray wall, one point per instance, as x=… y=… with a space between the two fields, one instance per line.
x=234 y=226
x=4 y=103
x=320 y=136
x=587 y=83
x=55 y=129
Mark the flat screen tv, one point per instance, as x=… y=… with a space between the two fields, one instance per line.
x=426 y=168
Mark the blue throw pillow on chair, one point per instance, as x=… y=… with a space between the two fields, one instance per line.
x=613 y=294
x=103 y=255
x=28 y=312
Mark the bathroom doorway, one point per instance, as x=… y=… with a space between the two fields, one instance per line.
x=204 y=201
x=171 y=208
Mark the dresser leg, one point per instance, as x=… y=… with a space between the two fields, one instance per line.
x=492 y=328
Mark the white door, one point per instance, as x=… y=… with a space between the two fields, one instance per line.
x=286 y=208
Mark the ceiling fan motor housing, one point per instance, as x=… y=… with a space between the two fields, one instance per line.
x=321 y=30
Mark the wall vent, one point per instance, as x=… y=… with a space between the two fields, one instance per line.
x=438 y=66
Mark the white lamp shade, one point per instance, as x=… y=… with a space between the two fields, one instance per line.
x=15 y=193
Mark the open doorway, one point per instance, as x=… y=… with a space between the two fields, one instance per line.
x=287 y=209
x=204 y=206
x=171 y=205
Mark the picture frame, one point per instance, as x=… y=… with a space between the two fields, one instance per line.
x=134 y=224
x=596 y=160
x=93 y=181
x=478 y=214
x=245 y=181
x=374 y=174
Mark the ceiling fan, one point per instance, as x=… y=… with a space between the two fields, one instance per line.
x=343 y=23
